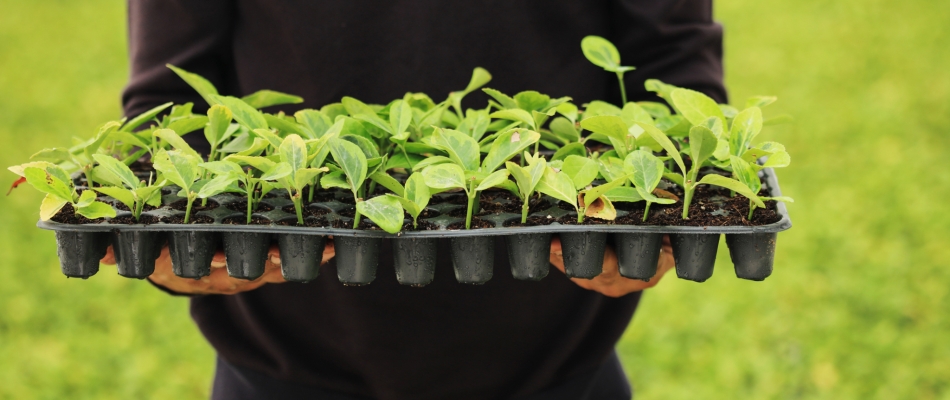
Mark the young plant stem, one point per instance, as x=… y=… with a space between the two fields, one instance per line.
x=297 y=198
x=524 y=210
x=404 y=154
x=87 y=172
x=250 y=206
x=580 y=214
x=468 y=216
x=689 y=199
x=751 y=210
x=137 y=210
x=623 y=89
x=356 y=216
x=646 y=211
x=191 y=200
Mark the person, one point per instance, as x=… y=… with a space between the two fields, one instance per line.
x=552 y=339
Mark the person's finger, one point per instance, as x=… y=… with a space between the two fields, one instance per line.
x=329 y=251
x=273 y=255
x=219 y=260
x=109 y=258
x=557 y=257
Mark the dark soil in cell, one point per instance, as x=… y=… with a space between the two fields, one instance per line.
x=67 y=215
x=182 y=205
x=425 y=214
x=572 y=220
x=123 y=207
x=242 y=220
x=493 y=206
x=498 y=195
x=308 y=211
x=312 y=222
x=241 y=205
x=349 y=212
x=195 y=219
x=423 y=225
x=365 y=224
x=129 y=220
x=457 y=199
x=319 y=195
x=711 y=206
x=477 y=223
x=531 y=221
x=141 y=166
x=566 y=207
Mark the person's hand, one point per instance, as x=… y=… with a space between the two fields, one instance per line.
x=218 y=282
x=609 y=282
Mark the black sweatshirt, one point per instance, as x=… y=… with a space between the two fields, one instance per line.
x=446 y=340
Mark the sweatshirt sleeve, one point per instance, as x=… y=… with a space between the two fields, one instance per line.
x=193 y=35
x=675 y=41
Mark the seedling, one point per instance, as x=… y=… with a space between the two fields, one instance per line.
x=415 y=197
x=590 y=201
x=604 y=54
x=80 y=157
x=702 y=145
x=527 y=179
x=748 y=174
x=461 y=170
x=128 y=189
x=293 y=156
x=646 y=171
x=181 y=168
x=54 y=181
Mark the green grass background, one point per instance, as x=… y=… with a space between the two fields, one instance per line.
x=857 y=307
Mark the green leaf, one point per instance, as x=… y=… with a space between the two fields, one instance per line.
x=745 y=173
x=306 y=177
x=118 y=170
x=480 y=77
x=600 y=207
x=607 y=125
x=611 y=168
x=504 y=100
x=623 y=194
x=313 y=121
x=702 y=145
x=564 y=129
x=559 y=186
x=656 y=110
x=48 y=183
x=351 y=160
x=515 y=114
x=576 y=149
x=85 y=199
x=151 y=195
x=355 y=107
x=96 y=209
x=602 y=53
x=647 y=170
x=661 y=89
x=760 y=101
x=633 y=113
x=282 y=124
x=200 y=84
x=715 y=125
x=223 y=167
x=366 y=145
x=400 y=116
x=475 y=124
x=462 y=149
x=568 y=110
x=267 y=98
x=243 y=113
x=293 y=151
x=595 y=192
x=334 y=180
x=506 y=146
x=217 y=185
x=178 y=167
x=444 y=176
x=385 y=211
x=186 y=125
x=745 y=127
x=581 y=170
x=728 y=111
x=410 y=207
x=431 y=161
x=531 y=100
x=260 y=163
x=124 y=196
x=388 y=182
x=277 y=171
x=171 y=137
x=55 y=155
x=51 y=205
x=272 y=138
x=734 y=185
x=666 y=143
x=784 y=199
x=598 y=108
x=695 y=106
x=107 y=129
x=417 y=191
x=494 y=179
x=144 y=117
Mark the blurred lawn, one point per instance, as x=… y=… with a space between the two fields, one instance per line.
x=857 y=307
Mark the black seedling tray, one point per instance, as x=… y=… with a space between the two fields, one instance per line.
x=80 y=246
